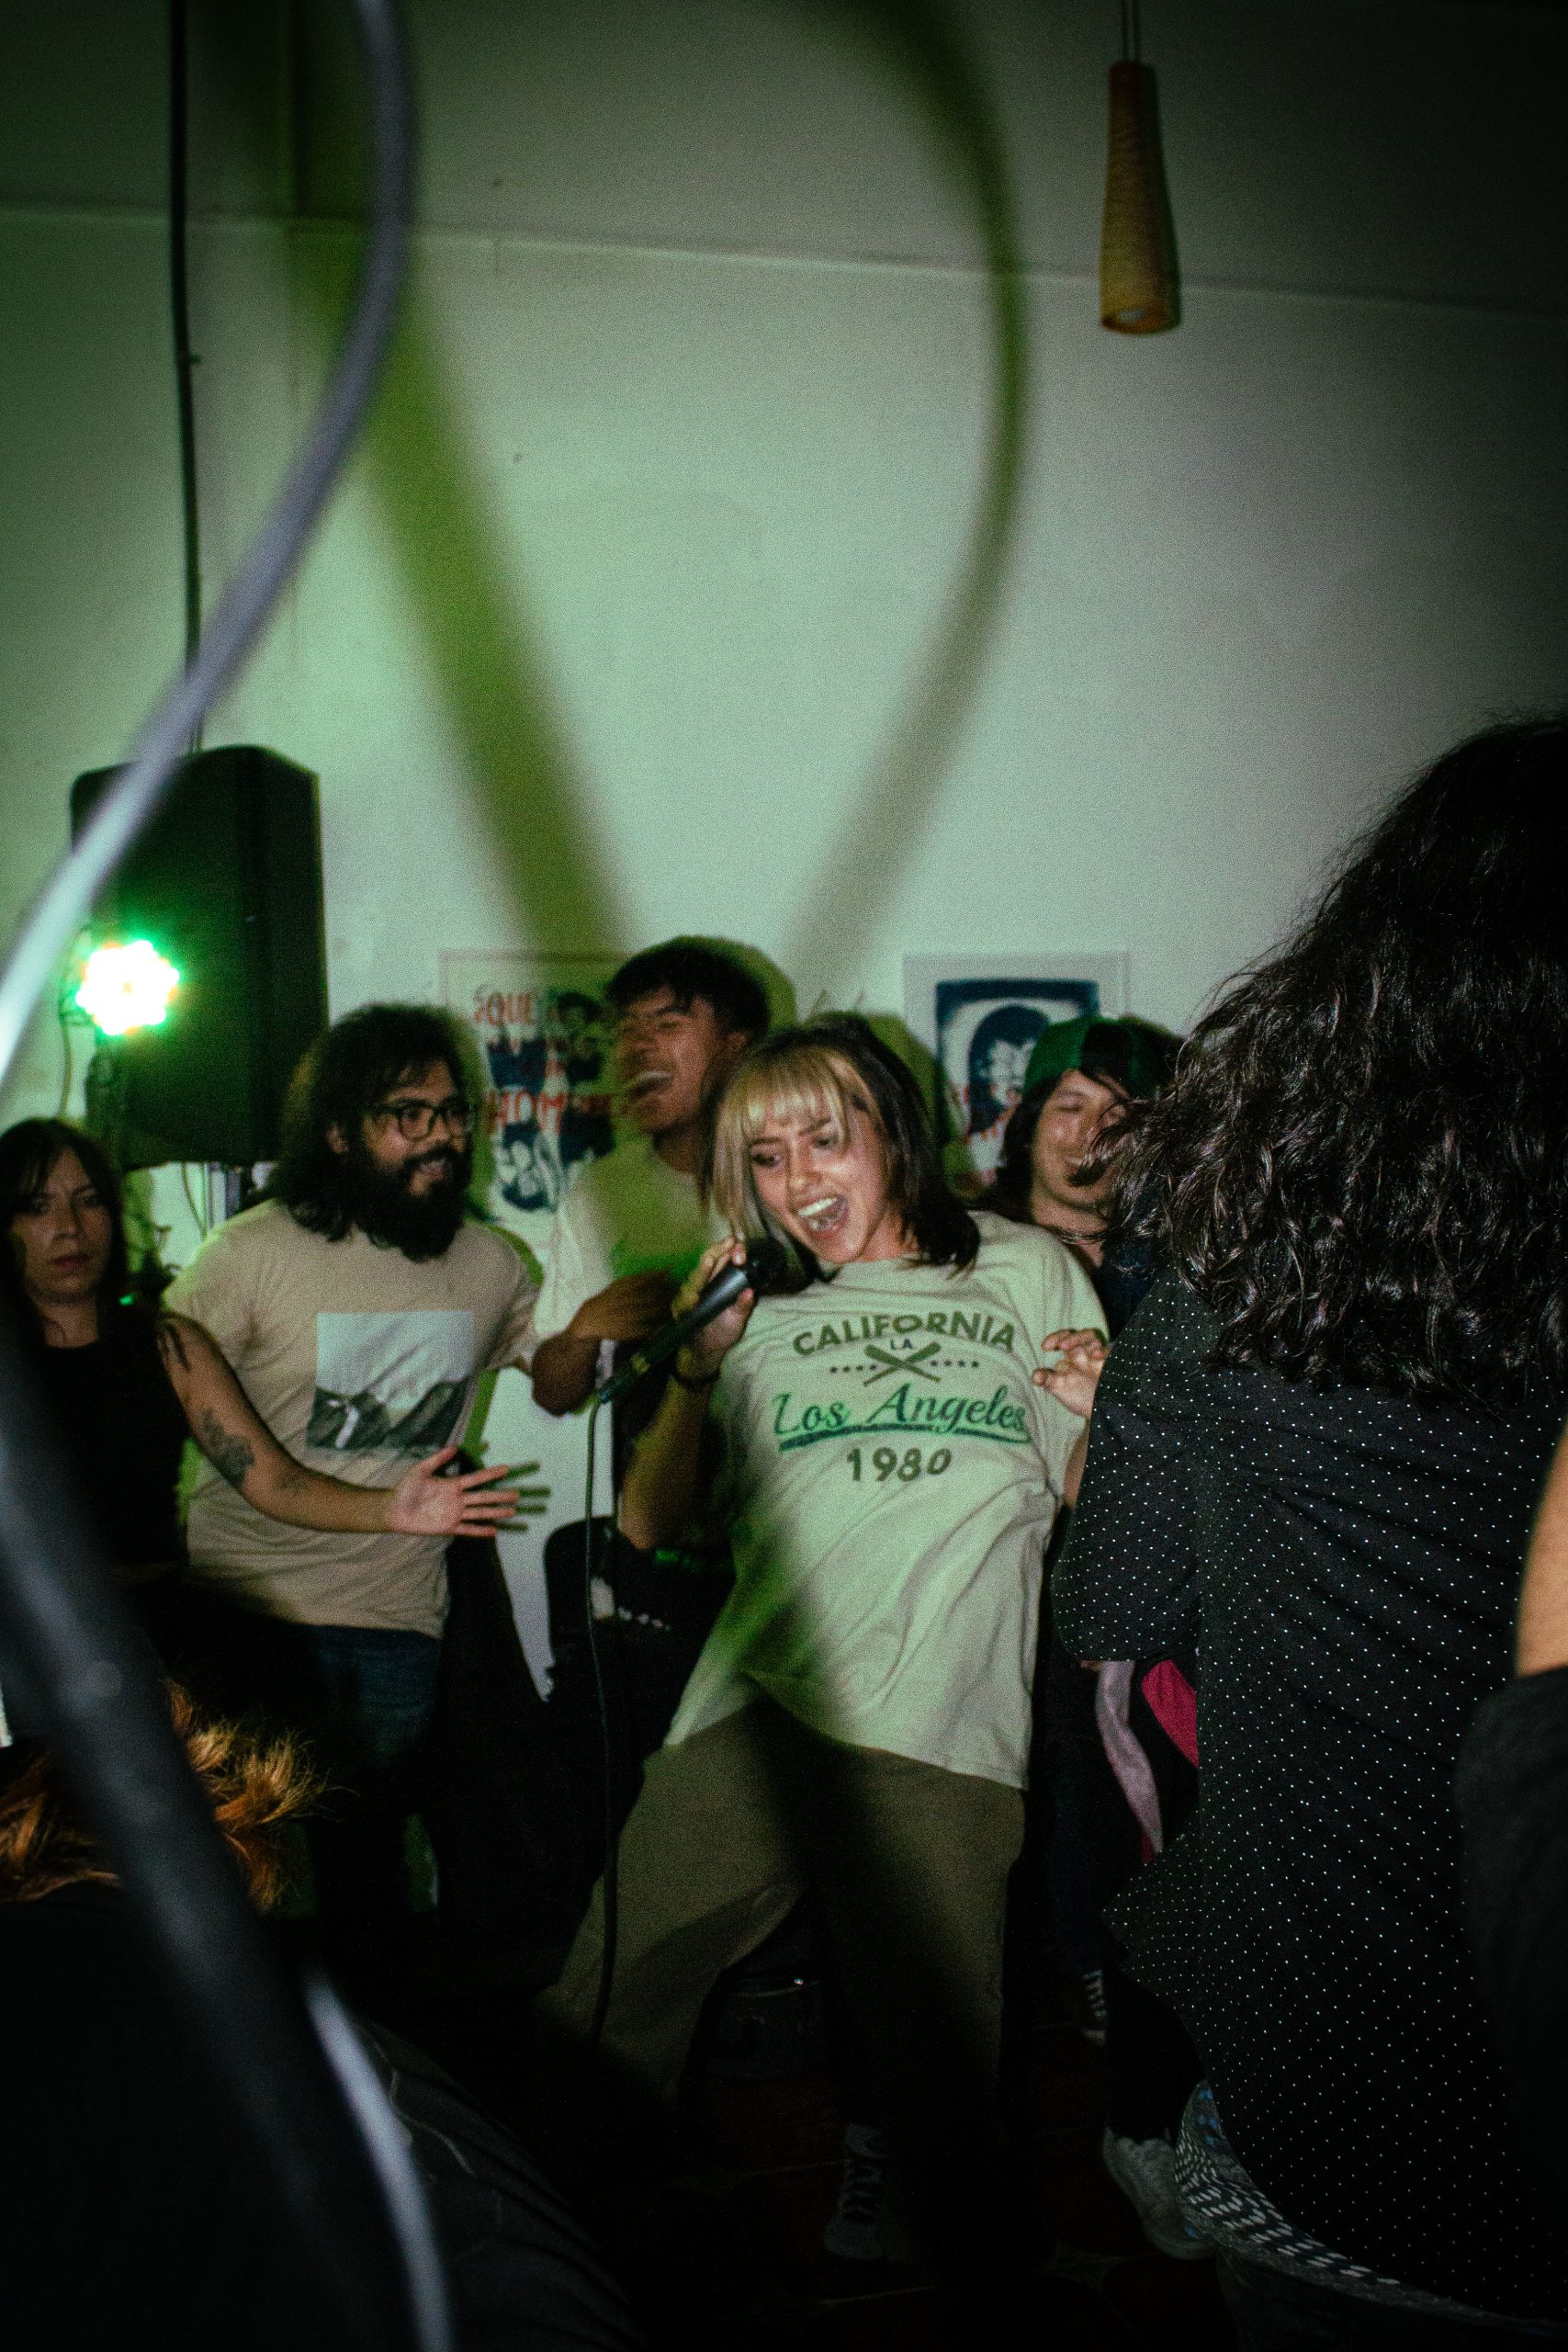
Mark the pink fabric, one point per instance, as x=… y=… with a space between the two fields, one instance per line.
x=1112 y=1690
x=1174 y=1705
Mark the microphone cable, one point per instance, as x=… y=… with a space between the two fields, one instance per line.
x=609 y=1879
x=767 y=1264
x=332 y=2152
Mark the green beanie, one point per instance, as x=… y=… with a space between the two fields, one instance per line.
x=1132 y=1055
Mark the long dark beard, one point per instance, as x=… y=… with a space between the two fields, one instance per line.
x=420 y=1225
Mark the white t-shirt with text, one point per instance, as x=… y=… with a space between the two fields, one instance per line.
x=891 y=1475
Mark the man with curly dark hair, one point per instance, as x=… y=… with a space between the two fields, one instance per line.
x=1314 y=1456
x=358 y=1305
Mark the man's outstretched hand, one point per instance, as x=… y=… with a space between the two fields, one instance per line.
x=424 y=1503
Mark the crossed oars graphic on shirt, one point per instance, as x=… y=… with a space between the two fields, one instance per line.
x=915 y=1362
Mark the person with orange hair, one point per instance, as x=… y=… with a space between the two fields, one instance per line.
x=128 y=2202
x=133 y=2214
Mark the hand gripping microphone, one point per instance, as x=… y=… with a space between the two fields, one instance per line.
x=765 y=1265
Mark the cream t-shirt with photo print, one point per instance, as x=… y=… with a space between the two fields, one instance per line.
x=360 y=1361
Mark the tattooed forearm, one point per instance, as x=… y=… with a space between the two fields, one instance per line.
x=226 y=1450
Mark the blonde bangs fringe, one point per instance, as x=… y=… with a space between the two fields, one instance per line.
x=806 y=1083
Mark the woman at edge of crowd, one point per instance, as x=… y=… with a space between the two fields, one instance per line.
x=1512 y=1791
x=1315 y=1455
x=859 y=1719
x=146 y=1380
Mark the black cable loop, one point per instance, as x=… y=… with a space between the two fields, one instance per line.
x=67 y=898
x=333 y=2153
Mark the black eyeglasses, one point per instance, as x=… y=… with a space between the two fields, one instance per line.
x=416 y=1119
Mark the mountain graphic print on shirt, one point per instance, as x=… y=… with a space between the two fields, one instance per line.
x=391 y=1382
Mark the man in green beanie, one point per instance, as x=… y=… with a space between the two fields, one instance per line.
x=1078 y=1074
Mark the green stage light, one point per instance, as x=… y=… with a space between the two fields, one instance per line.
x=126 y=987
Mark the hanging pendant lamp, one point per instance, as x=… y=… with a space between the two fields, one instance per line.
x=1138 y=291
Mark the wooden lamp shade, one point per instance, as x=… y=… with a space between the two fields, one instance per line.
x=1137 y=262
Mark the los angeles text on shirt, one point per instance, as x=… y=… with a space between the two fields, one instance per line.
x=901 y=1408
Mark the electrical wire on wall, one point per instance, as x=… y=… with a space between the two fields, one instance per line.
x=202 y=1223
x=333 y=2157
x=179 y=322
x=69 y=1015
x=67 y=1059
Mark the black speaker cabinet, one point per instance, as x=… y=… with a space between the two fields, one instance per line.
x=227 y=883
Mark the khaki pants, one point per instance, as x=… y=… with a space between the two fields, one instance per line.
x=910 y=1865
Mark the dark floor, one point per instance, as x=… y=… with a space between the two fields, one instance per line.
x=729 y=2258
x=732 y=2259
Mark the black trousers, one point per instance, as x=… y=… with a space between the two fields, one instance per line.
x=1151 y=2066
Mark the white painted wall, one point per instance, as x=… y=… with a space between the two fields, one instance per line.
x=651 y=553
x=654 y=537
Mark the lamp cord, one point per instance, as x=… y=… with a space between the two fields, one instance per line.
x=179 y=319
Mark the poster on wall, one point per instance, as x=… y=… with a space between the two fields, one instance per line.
x=543 y=1034
x=979 y=1017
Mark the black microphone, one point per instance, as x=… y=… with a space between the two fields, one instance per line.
x=765 y=1267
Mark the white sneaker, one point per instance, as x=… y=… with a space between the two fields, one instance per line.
x=1086 y=2004
x=853 y=2233
x=1144 y=2171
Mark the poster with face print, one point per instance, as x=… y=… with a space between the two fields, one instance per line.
x=979 y=1017
x=544 y=1034
x=543 y=1037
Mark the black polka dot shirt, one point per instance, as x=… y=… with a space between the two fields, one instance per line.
x=1346 y=1562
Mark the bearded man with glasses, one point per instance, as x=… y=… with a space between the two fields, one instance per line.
x=358 y=1302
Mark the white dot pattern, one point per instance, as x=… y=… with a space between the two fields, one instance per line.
x=1345 y=1564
